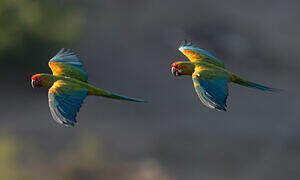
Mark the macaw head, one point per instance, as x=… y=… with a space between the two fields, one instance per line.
x=182 y=68
x=36 y=81
x=41 y=80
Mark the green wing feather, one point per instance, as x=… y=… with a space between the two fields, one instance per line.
x=66 y=63
x=195 y=54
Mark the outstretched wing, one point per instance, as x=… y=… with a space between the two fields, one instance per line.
x=194 y=54
x=66 y=63
x=65 y=100
x=211 y=87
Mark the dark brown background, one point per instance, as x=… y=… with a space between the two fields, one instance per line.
x=128 y=47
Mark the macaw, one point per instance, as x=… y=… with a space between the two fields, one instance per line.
x=209 y=76
x=69 y=87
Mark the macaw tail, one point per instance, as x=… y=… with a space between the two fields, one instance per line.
x=120 y=97
x=243 y=82
x=99 y=92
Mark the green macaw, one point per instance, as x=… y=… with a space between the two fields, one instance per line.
x=209 y=75
x=69 y=87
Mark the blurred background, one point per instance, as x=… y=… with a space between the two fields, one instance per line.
x=128 y=47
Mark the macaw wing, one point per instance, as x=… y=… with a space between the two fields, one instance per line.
x=195 y=54
x=66 y=63
x=211 y=87
x=65 y=100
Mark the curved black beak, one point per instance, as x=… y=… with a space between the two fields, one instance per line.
x=174 y=71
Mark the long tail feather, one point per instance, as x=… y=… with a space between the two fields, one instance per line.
x=243 y=82
x=107 y=94
x=120 y=97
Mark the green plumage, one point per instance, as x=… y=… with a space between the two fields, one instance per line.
x=210 y=77
x=69 y=87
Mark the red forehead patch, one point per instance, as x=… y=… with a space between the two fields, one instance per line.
x=174 y=64
x=35 y=77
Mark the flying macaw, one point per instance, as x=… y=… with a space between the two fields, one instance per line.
x=209 y=75
x=69 y=87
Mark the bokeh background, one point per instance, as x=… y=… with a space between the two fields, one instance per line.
x=128 y=47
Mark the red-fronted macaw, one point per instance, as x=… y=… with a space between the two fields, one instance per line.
x=69 y=87
x=210 y=77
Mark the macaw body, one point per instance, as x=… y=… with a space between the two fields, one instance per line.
x=209 y=76
x=68 y=87
x=47 y=81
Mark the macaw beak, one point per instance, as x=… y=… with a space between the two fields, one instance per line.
x=174 y=71
x=35 y=84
